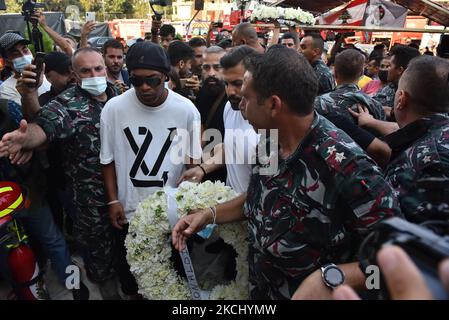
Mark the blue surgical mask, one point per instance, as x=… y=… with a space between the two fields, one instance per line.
x=21 y=62
x=95 y=86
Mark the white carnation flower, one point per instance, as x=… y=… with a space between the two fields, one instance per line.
x=149 y=246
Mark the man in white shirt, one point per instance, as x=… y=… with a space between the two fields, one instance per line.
x=148 y=135
x=240 y=140
x=14 y=49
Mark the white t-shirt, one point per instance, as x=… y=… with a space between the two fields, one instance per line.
x=137 y=138
x=8 y=89
x=240 y=143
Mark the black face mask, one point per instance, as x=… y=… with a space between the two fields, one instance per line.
x=383 y=75
x=366 y=73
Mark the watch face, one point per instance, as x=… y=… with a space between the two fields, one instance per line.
x=334 y=276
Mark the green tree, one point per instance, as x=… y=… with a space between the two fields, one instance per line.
x=13 y=6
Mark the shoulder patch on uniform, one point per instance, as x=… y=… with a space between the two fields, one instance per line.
x=424 y=154
x=337 y=154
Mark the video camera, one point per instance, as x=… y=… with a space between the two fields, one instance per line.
x=162 y=3
x=435 y=191
x=425 y=248
x=29 y=8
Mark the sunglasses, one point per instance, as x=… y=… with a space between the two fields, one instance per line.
x=153 y=82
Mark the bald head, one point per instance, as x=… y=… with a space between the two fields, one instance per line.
x=245 y=33
x=426 y=83
x=312 y=46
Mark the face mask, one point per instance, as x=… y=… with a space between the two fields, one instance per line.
x=21 y=62
x=366 y=73
x=95 y=86
x=383 y=75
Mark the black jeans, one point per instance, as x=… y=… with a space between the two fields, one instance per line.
x=127 y=281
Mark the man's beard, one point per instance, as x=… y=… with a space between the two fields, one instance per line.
x=235 y=102
x=213 y=85
x=115 y=69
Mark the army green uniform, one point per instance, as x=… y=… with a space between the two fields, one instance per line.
x=385 y=96
x=314 y=210
x=326 y=82
x=420 y=152
x=348 y=96
x=74 y=117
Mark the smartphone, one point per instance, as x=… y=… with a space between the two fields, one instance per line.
x=183 y=82
x=39 y=63
x=90 y=16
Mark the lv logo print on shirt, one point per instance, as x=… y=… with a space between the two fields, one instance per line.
x=139 y=162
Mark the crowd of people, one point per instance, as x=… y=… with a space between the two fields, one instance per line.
x=93 y=135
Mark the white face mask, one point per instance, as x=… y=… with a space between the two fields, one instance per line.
x=95 y=86
x=21 y=62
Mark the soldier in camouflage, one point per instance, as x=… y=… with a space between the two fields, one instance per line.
x=421 y=145
x=348 y=69
x=312 y=47
x=385 y=96
x=325 y=195
x=74 y=117
x=400 y=57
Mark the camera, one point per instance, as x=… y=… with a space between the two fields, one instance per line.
x=435 y=192
x=29 y=7
x=425 y=248
x=162 y=3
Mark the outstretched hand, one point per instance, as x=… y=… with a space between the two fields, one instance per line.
x=12 y=142
x=189 y=225
x=194 y=174
x=21 y=157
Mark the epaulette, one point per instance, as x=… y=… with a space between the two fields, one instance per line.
x=425 y=154
x=336 y=155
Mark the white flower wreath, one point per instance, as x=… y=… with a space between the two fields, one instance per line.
x=288 y=16
x=149 y=249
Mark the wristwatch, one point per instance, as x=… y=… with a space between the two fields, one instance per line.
x=332 y=275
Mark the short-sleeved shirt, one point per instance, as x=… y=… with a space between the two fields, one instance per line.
x=424 y=155
x=148 y=145
x=323 y=199
x=8 y=89
x=74 y=116
x=386 y=95
x=326 y=82
x=348 y=96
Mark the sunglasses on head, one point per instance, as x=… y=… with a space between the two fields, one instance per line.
x=151 y=81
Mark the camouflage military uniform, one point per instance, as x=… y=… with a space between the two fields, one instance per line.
x=385 y=96
x=348 y=96
x=74 y=117
x=313 y=211
x=421 y=151
x=326 y=82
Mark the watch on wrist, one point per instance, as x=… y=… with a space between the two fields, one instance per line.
x=332 y=275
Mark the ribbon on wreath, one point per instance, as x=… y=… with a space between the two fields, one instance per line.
x=172 y=212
